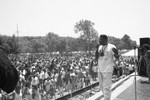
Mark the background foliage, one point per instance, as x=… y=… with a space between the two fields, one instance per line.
x=54 y=43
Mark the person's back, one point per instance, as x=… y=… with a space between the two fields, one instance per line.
x=147 y=56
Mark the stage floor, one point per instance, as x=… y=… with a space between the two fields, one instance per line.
x=125 y=89
x=142 y=90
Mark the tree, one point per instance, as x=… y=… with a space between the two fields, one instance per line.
x=117 y=42
x=38 y=46
x=72 y=44
x=129 y=44
x=52 y=40
x=133 y=44
x=87 y=33
x=61 y=46
x=25 y=44
x=1 y=40
x=75 y=45
x=13 y=43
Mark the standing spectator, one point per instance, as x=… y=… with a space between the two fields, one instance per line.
x=17 y=93
x=34 y=82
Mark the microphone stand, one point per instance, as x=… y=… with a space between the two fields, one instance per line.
x=135 y=68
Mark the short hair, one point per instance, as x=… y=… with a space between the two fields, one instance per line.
x=104 y=36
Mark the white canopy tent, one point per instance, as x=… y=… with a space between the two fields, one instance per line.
x=131 y=53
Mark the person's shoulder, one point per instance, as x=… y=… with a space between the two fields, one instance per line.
x=111 y=45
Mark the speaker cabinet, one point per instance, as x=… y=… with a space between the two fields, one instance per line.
x=142 y=63
x=144 y=41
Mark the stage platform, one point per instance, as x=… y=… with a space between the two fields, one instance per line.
x=125 y=89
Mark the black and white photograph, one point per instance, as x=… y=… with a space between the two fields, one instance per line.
x=74 y=49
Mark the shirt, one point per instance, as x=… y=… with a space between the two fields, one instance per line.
x=106 y=62
x=42 y=75
x=35 y=81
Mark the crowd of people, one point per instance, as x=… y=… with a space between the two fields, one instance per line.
x=45 y=76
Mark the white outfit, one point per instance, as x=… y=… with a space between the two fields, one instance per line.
x=105 y=69
x=42 y=75
x=106 y=62
x=35 y=81
x=17 y=97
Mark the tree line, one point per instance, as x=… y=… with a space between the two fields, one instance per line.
x=54 y=43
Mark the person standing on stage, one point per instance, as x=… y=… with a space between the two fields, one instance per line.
x=106 y=55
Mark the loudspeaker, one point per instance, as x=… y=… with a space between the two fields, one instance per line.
x=144 y=41
x=142 y=63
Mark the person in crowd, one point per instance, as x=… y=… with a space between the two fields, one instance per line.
x=131 y=68
x=34 y=83
x=17 y=93
x=106 y=55
x=147 y=56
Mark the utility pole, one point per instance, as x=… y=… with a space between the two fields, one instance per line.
x=17 y=36
x=17 y=31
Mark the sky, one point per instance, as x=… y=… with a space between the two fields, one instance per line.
x=112 y=17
